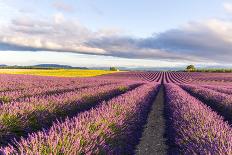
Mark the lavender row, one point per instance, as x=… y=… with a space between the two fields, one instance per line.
x=51 y=88
x=197 y=129
x=221 y=102
x=197 y=78
x=18 y=119
x=35 y=102
x=26 y=84
x=222 y=89
x=137 y=75
x=108 y=129
x=18 y=82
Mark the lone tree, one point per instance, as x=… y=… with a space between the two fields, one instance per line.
x=190 y=68
x=113 y=69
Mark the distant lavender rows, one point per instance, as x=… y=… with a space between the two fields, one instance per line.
x=11 y=82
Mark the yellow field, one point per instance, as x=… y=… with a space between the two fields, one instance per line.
x=58 y=72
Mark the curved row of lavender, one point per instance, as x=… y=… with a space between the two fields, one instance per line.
x=218 y=88
x=12 y=82
x=222 y=79
x=39 y=86
x=197 y=129
x=19 y=118
x=110 y=128
x=136 y=75
x=7 y=97
x=176 y=77
x=220 y=101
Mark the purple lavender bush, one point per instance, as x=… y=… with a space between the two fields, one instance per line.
x=221 y=102
x=198 y=129
x=19 y=118
x=107 y=129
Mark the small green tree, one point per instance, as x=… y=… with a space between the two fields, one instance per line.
x=190 y=68
x=113 y=69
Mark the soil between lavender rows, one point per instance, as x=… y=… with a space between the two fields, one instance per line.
x=153 y=140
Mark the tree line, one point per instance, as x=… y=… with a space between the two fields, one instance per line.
x=192 y=68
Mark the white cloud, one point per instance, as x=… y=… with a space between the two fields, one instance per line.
x=59 y=18
x=62 y=6
x=228 y=7
x=52 y=34
x=209 y=40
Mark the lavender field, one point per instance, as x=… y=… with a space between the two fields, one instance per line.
x=108 y=114
x=94 y=77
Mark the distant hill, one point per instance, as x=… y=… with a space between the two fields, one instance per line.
x=2 y=65
x=58 y=66
x=42 y=66
x=53 y=65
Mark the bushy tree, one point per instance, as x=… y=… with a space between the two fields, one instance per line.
x=190 y=68
x=113 y=69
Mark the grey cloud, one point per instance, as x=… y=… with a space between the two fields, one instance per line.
x=137 y=48
x=205 y=44
x=13 y=47
x=197 y=42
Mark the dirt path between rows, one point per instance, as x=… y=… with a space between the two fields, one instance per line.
x=153 y=141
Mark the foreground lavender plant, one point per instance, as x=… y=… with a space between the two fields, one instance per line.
x=198 y=130
x=108 y=129
x=220 y=101
x=20 y=118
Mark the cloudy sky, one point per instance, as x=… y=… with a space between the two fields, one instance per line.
x=132 y=33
